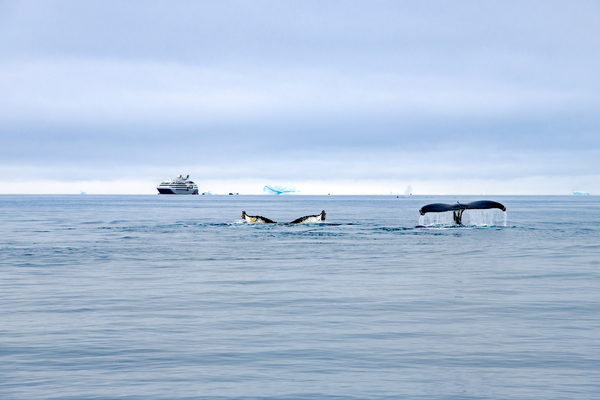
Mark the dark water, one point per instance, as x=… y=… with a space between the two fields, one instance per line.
x=150 y=297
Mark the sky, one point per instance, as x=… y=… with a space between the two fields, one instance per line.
x=342 y=97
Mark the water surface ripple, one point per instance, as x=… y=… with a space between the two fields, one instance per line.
x=158 y=297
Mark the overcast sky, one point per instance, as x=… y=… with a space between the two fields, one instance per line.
x=339 y=96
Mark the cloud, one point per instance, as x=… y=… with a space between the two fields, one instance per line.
x=99 y=91
x=300 y=90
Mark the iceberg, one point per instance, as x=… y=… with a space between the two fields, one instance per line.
x=278 y=189
x=579 y=193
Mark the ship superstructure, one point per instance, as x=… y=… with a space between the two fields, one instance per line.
x=178 y=185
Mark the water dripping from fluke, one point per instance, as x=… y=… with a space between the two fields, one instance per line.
x=478 y=218
x=476 y=213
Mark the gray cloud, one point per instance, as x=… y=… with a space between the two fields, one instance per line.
x=372 y=90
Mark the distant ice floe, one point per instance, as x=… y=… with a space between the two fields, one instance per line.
x=407 y=192
x=578 y=193
x=490 y=217
x=82 y=192
x=278 y=189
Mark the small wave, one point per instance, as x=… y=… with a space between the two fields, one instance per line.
x=389 y=229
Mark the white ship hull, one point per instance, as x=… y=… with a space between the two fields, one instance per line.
x=176 y=191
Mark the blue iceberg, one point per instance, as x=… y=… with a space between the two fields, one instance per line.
x=278 y=189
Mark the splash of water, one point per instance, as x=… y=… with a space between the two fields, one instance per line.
x=491 y=217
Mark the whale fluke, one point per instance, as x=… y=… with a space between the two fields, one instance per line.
x=310 y=218
x=458 y=208
x=256 y=219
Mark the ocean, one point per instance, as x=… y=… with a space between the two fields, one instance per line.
x=173 y=297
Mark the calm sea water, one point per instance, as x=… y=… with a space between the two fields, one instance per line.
x=158 y=297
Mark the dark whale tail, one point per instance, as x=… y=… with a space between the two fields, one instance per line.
x=256 y=219
x=458 y=208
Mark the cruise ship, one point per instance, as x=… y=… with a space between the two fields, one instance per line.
x=179 y=185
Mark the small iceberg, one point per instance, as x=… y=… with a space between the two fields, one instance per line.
x=581 y=193
x=278 y=189
x=407 y=192
x=82 y=192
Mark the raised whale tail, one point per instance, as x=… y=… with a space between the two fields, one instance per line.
x=310 y=218
x=458 y=208
x=256 y=219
